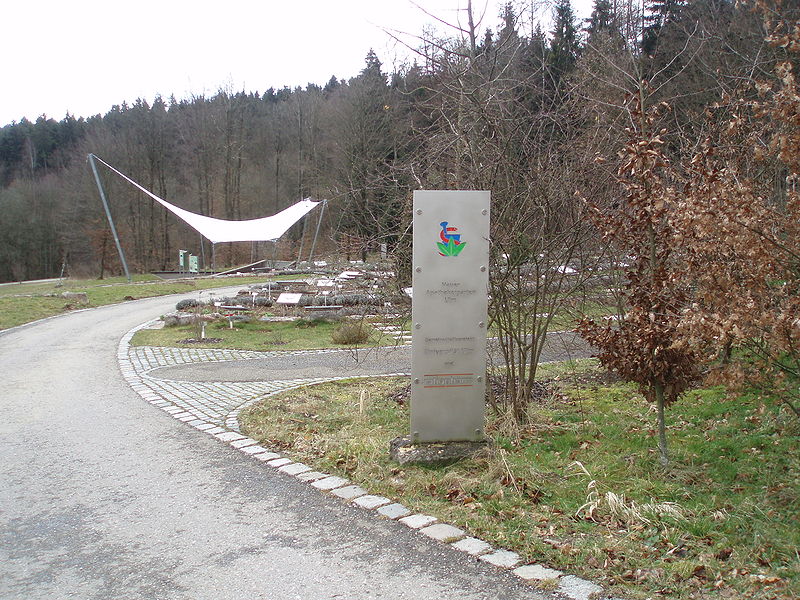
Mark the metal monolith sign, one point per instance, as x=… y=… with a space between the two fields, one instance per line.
x=449 y=315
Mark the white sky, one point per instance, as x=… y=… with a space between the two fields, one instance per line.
x=83 y=56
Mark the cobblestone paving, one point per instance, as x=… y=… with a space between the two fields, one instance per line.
x=216 y=404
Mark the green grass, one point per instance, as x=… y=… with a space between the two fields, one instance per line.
x=72 y=285
x=23 y=303
x=722 y=521
x=281 y=335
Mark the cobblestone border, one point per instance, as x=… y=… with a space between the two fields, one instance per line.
x=214 y=407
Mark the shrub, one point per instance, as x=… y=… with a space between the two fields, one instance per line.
x=350 y=333
x=188 y=303
x=305 y=323
x=355 y=300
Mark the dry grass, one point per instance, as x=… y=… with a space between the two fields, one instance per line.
x=580 y=488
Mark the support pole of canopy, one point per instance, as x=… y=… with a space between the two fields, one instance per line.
x=203 y=251
x=214 y=258
x=108 y=215
x=316 y=233
x=302 y=240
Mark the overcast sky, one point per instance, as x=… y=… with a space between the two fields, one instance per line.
x=84 y=56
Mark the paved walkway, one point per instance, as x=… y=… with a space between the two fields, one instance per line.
x=211 y=386
x=207 y=388
x=217 y=400
x=104 y=497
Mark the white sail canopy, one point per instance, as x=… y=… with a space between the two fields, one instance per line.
x=265 y=229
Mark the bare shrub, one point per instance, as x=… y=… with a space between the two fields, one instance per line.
x=350 y=334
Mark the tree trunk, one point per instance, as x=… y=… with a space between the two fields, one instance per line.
x=662 y=429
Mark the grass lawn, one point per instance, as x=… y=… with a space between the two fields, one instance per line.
x=580 y=488
x=26 y=302
x=306 y=334
x=567 y=319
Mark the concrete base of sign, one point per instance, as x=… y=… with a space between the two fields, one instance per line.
x=404 y=451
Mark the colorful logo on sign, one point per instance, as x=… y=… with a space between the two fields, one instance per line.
x=451 y=244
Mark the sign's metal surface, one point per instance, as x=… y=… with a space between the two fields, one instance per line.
x=449 y=315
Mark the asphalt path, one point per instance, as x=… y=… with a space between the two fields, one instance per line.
x=104 y=496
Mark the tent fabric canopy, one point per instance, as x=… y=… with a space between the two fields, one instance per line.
x=265 y=229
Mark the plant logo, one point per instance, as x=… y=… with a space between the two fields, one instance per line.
x=451 y=244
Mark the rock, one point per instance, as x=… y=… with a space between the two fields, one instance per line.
x=404 y=451
x=177 y=318
x=79 y=297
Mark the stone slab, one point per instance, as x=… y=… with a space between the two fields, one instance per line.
x=443 y=532
x=472 y=546
x=279 y=462
x=576 y=588
x=330 y=483
x=295 y=468
x=253 y=449
x=229 y=436
x=312 y=476
x=371 y=502
x=418 y=521
x=536 y=573
x=502 y=558
x=349 y=492
x=403 y=450
x=243 y=442
x=394 y=511
x=266 y=456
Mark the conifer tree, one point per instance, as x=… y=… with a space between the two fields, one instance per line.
x=602 y=18
x=565 y=43
x=659 y=14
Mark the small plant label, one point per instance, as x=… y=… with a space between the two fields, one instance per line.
x=449 y=315
x=288 y=298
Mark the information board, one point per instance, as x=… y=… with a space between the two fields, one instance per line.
x=449 y=315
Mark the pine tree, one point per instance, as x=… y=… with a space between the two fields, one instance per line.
x=602 y=18
x=565 y=43
x=367 y=144
x=659 y=14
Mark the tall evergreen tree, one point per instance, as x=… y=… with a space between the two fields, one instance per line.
x=565 y=42
x=658 y=14
x=602 y=18
x=367 y=148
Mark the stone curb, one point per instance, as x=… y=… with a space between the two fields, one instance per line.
x=226 y=430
